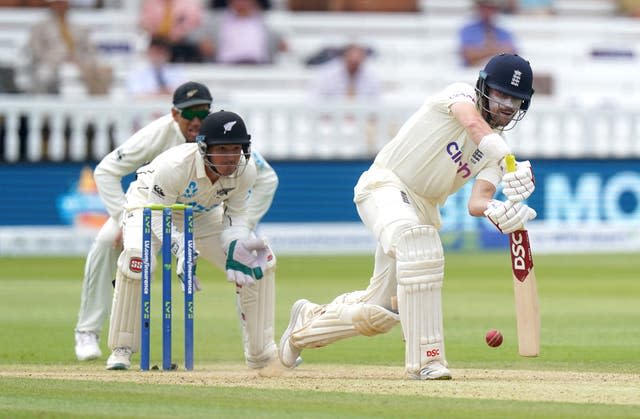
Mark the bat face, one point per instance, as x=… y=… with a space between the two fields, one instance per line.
x=526 y=294
x=521 y=259
x=524 y=287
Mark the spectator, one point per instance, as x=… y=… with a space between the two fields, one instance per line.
x=54 y=42
x=629 y=8
x=157 y=76
x=175 y=20
x=347 y=76
x=240 y=35
x=482 y=38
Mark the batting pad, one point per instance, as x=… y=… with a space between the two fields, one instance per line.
x=256 y=311
x=420 y=273
x=333 y=322
x=124 y=326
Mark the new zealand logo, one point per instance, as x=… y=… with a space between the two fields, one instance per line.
x=229 y=126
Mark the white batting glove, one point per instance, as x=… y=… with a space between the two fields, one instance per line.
x=180 y=270
x=509 y=216
x=519 y=185
x=246 y=260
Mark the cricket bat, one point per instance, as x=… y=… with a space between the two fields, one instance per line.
x=525 y=288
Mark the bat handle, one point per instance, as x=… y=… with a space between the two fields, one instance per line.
x=510 y=161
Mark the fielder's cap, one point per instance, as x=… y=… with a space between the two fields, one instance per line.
x=191 y=93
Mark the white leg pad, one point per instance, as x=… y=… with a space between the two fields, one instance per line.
x=256 y=311
x=124 y=327
x=420 y=273
x=326 y=324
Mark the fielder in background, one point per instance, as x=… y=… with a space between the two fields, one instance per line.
x=191 y=103
x=215 y=173
x=453 y=138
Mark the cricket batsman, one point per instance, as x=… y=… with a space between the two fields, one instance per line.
x=454 y=137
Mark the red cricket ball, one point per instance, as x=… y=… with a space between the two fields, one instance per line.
x=493 y=338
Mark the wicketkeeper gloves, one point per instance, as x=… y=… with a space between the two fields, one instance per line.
x=246 y=260
x=180 y=270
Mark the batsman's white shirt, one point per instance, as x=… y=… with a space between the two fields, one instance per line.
x=432 y=156
x=178 y=176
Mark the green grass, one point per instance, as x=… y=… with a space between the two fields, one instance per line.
x=590 y=322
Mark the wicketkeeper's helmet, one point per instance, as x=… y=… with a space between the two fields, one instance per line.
x=224 y=127
x=220 y=128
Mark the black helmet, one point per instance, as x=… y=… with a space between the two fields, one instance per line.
x=223 y=127
x=509 y=74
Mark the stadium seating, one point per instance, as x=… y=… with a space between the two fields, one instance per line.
x=586 y=53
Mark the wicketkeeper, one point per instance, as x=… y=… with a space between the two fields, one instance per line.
x=191 y=104
x=216 y=172
x=453 y=138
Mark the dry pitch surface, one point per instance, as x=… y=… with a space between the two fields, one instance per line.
x=574 y=387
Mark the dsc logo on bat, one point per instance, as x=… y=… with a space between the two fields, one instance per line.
x=521 y=260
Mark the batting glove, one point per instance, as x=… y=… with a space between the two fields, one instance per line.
x=509 y=216
x=180 y=270
x=519 y=185
x=246 y=260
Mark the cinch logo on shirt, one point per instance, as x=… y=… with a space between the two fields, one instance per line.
x=455 y=152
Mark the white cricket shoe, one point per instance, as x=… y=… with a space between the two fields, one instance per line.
x=87 y=347
x=433 y=371
x=289 y=354
x=120 y=359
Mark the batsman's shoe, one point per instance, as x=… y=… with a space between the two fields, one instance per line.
x=433 y=371
x=87 y=347
x=120 y=359
x=289 y=354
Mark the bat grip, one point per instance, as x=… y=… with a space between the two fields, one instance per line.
x=510 y=161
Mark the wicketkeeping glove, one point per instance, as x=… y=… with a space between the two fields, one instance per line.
x=246 y=260
x=509 y=216
x=519 y=185
x=180 y=270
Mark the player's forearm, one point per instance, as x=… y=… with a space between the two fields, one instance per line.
x=481 y=194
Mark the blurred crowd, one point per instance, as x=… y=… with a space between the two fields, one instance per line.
x=236 y=33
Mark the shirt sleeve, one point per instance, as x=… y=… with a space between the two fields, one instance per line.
x=263 y=190
x=458 y=92
x=237 y=209
x=492 y=174
x=141 y=148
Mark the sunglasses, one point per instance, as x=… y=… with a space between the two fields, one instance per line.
x=190 y=114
